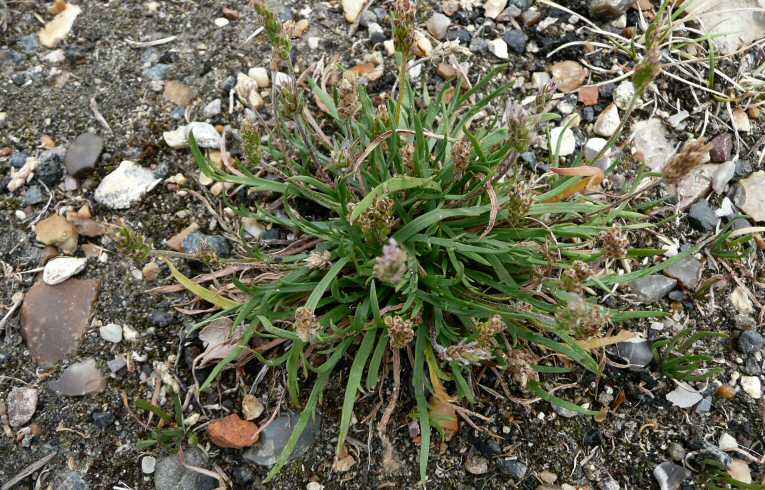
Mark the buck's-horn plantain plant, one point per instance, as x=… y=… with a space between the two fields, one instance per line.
x=429 y=240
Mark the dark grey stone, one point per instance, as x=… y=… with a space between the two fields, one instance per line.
x=49 y=172
x=461 y=35
x=687 y=271
x=161 y=318
x=198 y=242
x=160 y=71
x=102 y=419
x=513 y=468
x=18 y=159
x=702 y=216
x=704 y=406
x=609 y=9
x=83 y=154
x=274 y=437
x=608 y=484
x=34 y=195
x=749 y=342
x=743 y=169
x=170 y=474
x=29 y=43
x=376 y=32
x=653 y=288
x=636 y=354
x=516 y=40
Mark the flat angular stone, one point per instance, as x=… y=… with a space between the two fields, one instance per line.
x=125 y=186
x=22 y=403
x=83 y=154
x=170 y=474
x=57 y=231
x=274 y=437
x=79 y=379
x=232 y=432
x=652 y=288
x=670 y=476
x=60 y=269
x=651 y=144
x=686 y=271
x=750 y=197
x=54 y=318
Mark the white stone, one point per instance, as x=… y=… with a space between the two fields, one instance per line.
x=683 y=397
x=129 y=333
x=212 y=109
x=148 y=464
x=493 y=8
x=623 y=95
x=204 y=133
x=608 y=122
x=111 y=333
x=125 y=186
x=651 y=144
x=260 y=75
x=592 y=147
x=540 y=79
x=498 y=47
x=55 y=57
x=740 y=300
x=253 y=227
x=352 y=10
x=60 y=269
x=739 y=470
x=314 y=485
x=313 y=42
x=247 y=90
x=741 y=122
x=727 y=442
x=221 y=21
x=722 y=176
x=750 y=197
x=726 y=208
x=752 y=386
x=562 y=141
x=281 y=78
x=437 y=25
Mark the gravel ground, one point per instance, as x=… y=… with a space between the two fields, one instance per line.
x=48 y=98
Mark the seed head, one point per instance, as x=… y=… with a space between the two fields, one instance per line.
x=615 y=243
x=581 y=317
x=519 y=127
x=306 y=324
x=488 y=329
x=318 y=260
x=400 y=331
x=349 y=103
x=404 y=19
x=462 y=155
x=519 y=203
x=693 y=154
x=466 y=353
x=390 y=267
x=281 y=47
x=519 y=365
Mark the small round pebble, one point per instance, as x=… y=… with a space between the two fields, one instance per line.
x=148 y=463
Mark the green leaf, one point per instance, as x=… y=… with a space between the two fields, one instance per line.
x=354 y=381
x=321 y=288
x=418 y=381
x=537 y=389
x=212 y=297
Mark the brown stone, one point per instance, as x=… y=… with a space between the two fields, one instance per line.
x=231 y=14
x=568 y=75
x=233 y=432
x=6 y=151
x=447 y=71
x=56 y=230
x=176 y=241
x=588 y=95
x=150 y=271
x=722 y=147
x=86 y=226
x=91 y=250
x=54 y=318
x=179 y=93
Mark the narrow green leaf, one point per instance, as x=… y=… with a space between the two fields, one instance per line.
x=354 y=381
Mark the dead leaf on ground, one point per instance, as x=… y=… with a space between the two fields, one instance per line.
x=343 y=462
x=445 y=415
x=592 y=177
x=57 y=29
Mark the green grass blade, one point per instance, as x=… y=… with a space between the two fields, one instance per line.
x=422 y=403
x=321 y=288
x=354 y=381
